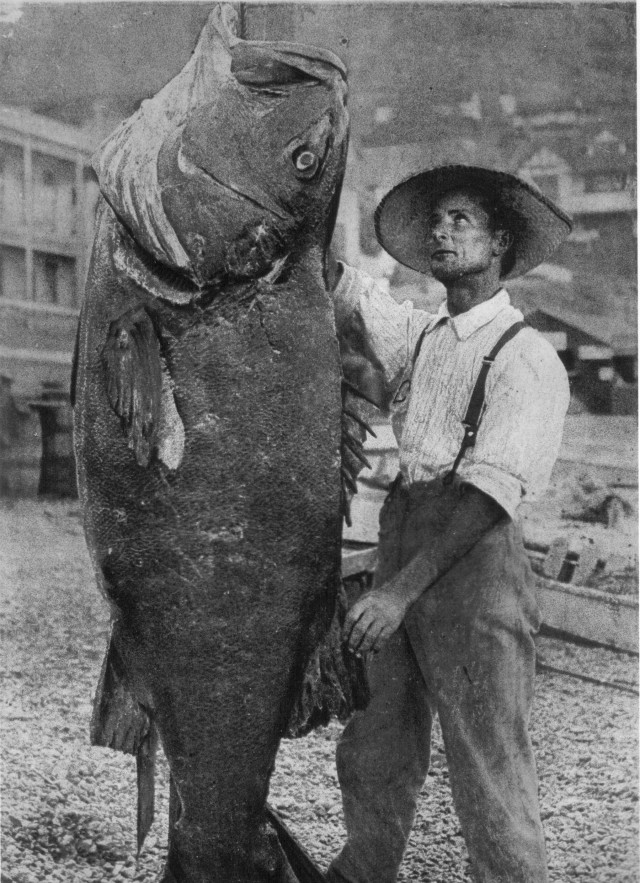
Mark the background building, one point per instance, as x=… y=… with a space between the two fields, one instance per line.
x=47 y=198
x=547 y=91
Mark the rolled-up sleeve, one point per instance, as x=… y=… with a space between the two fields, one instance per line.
x=527 y=397
x=375 y=333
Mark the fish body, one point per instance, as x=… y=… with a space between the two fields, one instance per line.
x=208 y=424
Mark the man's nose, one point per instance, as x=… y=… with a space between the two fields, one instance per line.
x=439 y=233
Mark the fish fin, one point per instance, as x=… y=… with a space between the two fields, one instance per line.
x=131 y=358
x=335 y=681
x=354 y=433
x=171 y=434
x=145 y=769
x=118 y=721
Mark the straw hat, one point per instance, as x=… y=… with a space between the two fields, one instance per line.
x=538 y=226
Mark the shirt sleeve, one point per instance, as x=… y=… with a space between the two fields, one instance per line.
x=527 y=397
x=376 y=335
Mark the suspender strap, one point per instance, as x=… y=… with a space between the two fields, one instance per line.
x=416 y=351
x=473 y=416
x=403 y=391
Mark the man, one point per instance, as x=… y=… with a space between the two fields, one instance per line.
x=452 y=614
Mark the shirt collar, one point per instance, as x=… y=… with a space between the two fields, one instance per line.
x=464 y=324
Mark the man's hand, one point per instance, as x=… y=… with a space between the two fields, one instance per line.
x=377 y=614
x=372 y=620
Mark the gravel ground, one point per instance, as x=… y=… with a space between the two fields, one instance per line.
x=69 y=809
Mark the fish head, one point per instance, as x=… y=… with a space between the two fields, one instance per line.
x=233 y=165
x=256 y=172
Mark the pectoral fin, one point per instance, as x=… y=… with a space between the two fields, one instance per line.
x=171 y=436
x=131 y=357
x=118 y=720
x=140 y=392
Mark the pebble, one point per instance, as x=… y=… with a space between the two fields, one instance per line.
x=69 y=808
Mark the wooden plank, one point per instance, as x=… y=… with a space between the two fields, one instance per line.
x=365 y=511
x=358 y=560
x=587 y=561
x=611 y=620
x=601 y=440
x=592 y=353
x=552 y=564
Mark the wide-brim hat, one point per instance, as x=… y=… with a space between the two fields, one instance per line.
x=537 y=224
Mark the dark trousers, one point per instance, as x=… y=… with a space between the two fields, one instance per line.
x=466 y=653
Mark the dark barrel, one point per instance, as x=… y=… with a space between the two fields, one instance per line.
x=58 y=468
x=20 y=445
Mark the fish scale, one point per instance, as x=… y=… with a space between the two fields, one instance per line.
x=209 y=426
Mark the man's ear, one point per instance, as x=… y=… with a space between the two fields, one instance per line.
x=502 y=242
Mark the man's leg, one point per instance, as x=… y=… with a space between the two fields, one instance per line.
x=473 y=637
x=382 y=761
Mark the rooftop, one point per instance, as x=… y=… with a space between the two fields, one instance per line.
x=604 y=308
x=24 y=122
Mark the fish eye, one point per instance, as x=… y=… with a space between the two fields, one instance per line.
x=306 y=162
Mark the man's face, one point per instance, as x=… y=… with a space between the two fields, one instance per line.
x=461 y=240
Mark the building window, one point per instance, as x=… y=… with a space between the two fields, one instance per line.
x=54 y=195
x=13 y=273
x=11 y=186
x=54 y=279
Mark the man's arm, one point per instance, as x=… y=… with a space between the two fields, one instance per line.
x=376 y=334
x=377 y=614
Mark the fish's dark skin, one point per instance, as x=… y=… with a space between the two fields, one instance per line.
x=208 y=430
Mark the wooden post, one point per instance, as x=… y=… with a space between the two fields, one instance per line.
x=28 y=220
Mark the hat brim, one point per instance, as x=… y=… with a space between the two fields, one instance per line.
x=401 y=219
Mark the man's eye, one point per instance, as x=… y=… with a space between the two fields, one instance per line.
x=460 y=218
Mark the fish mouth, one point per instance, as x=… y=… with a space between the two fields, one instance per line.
x=271 y=207
x=265 y=204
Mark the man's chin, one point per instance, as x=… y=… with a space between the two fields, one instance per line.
x=445 y=274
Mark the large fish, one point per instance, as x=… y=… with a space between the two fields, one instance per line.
x=208 y=413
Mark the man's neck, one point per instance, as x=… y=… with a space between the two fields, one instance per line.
x=466 y=293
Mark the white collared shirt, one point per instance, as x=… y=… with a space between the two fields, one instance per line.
x=527 y=390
